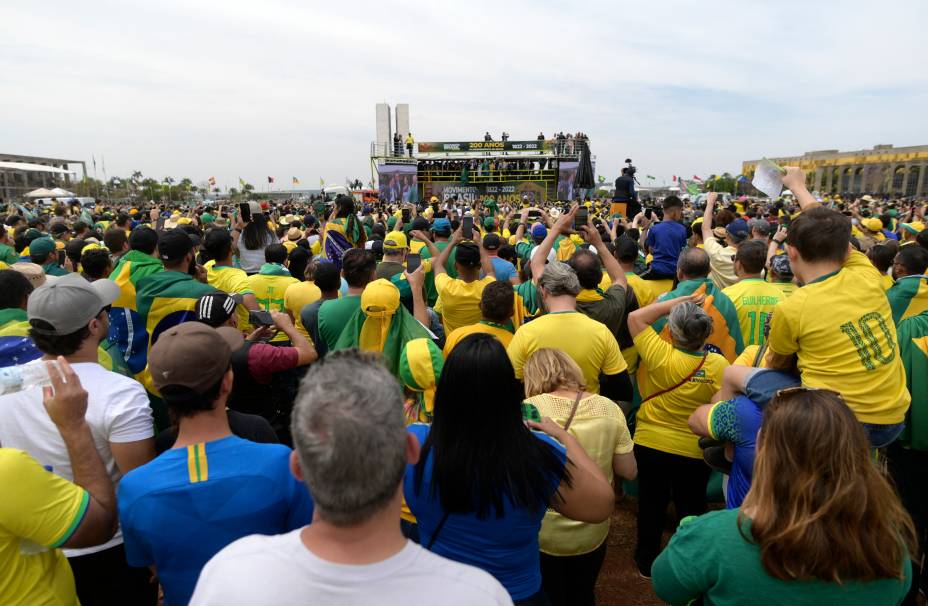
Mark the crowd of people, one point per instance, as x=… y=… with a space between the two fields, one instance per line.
x=274 y=403
x=487 y=168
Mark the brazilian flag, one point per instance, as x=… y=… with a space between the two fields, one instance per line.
x=912 y=335
x=166 y=299
x=726 y=331
x=127 y=329
x=381 y=325
x=16 y=347
x=908 y=297
x=527 y=303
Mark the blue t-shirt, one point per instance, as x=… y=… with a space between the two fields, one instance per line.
x=665 y=241
x=506 y=547
x=183 y=507
x=738 y=421
x=504 y=269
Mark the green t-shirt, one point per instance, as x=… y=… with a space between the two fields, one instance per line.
x=334 y=316
x=709 y=557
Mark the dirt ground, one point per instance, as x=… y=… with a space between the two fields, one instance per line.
x=619 y=582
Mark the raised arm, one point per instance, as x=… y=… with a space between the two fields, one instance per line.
x=774 y=247
x=562 y=225
x=66 y=403
x=416 y=280
x=707 y=216
x=438 y=267
x=640 y=319
x=520 y=231
x=612 y=267
x=795 y=181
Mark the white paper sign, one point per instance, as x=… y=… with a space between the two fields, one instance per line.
x=768 y=178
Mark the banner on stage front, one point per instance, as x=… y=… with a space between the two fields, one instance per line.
x=566 y=177
x=431 y=147
x=511 y=192
x=398 y=183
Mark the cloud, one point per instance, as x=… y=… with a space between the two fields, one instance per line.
x=288 y=89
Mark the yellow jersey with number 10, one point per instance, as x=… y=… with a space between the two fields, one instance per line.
x=841 y=329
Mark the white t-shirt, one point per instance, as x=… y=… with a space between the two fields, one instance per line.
x=117 y=412
x=280 y=571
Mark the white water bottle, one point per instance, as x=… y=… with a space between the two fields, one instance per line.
x=26 y=376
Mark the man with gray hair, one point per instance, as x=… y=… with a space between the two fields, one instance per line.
x=590 y=343
x=351 y=449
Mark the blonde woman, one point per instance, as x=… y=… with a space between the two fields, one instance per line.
x=572 y=552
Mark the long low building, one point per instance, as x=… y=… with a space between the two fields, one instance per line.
x=887 y=170
x=21 y=174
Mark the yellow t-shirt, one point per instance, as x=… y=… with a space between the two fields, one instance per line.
x=39 y=512
x=753 y=299
x=230 y=280
x=721 y=263
x=290 y=245
x=483 y=327
x=591 y=345
x=460 y=300
x=270 y=291
x=787 y=288
x=841 y=329
x=600 y=427
x=298 y=296
x=662 y=420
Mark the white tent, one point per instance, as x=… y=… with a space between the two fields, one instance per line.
x=41 y=193
x=61 y=192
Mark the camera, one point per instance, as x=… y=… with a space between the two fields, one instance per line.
x=631 y=168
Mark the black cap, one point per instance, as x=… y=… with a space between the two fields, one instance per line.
x=174 y=244
x=420 y=223
x=492 y=242
x=216 y=308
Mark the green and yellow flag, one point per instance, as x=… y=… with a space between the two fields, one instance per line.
x=725 y=338
x=912 y=334
x=908 y=297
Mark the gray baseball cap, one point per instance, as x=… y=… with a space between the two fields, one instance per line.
x=69 y=303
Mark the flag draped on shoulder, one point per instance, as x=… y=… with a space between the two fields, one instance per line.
x=381 y=325
x=908 y=297
x=340 y=235
x=912 y=334
x=127 y=328
x=527 y=303
x=725 y=338
x=166 y=299
x=16 y=347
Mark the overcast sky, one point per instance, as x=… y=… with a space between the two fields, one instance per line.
x=242 y=88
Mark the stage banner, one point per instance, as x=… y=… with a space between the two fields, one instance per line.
x=510 y=192
x=432 y=147
x=566 y=177
x=398 y=183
